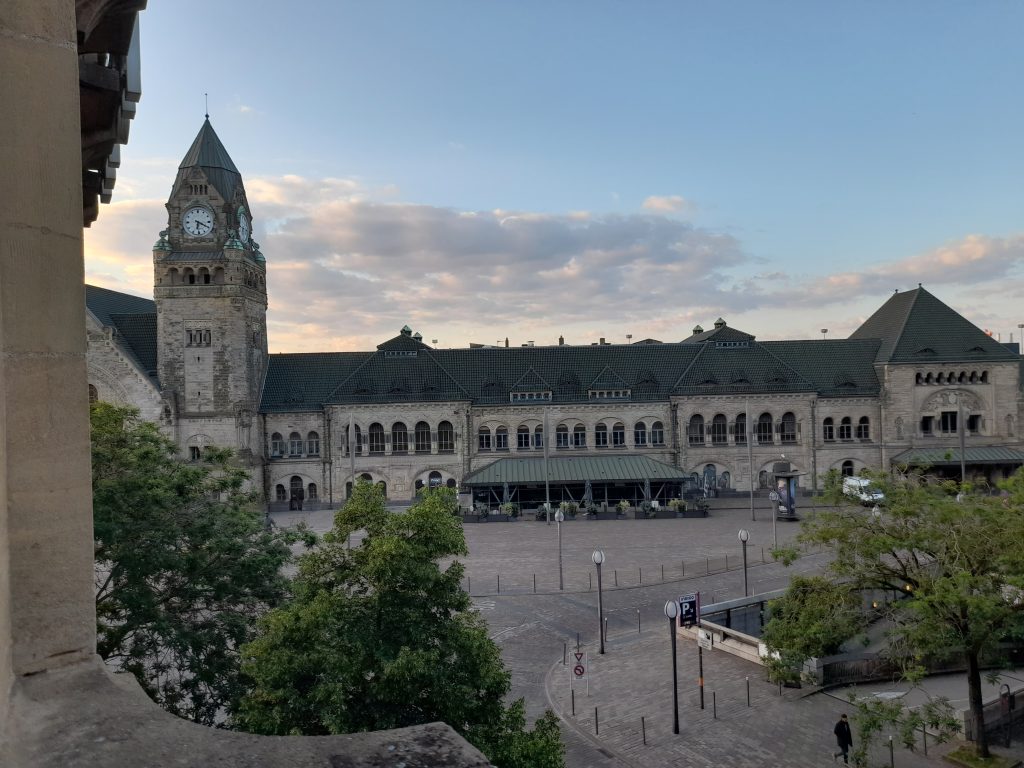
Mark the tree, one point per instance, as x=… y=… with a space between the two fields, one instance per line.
x=381 y=636
x=184 y=564
x=955 y=560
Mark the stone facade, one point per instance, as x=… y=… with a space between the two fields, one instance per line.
x=719 y=405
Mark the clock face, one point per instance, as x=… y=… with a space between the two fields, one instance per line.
x=243 y=227
x=197 y=221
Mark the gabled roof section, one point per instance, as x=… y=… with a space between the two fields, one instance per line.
x=103 y=303
x=138 y=332
x=531 y=381
x=608 y=379
x=303 y=382
x=208 y=154
x=738 y=370
x=398 y=373
x=835 y=367
x=721 y=332
x=915 y=326
x=403 y=342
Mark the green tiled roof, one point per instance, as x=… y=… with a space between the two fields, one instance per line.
x=739 y=370
x=139 y=333
x=834 y=367
x=208 y=153
x=303 y=382
x=103 y=303
x=973 y=455
x=574 y=470
x=915 y=327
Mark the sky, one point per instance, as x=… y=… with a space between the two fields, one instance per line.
x=482 y=170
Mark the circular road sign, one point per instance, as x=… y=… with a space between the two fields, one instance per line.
x=578 y=670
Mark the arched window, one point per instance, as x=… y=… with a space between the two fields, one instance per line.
x=639 y=434
x=280 y=494
x=762 y=478
x=276 y=445
x=562 y=436
x=828 y=430
x=928 y=378
x=445 y=437
x=846 y=428
x=451 y=483
x=918 y=378
x=94 y=394
x=984 y=377
x=367 y=477
x=764 y=429
x=709 y=479
x=725 y=481
x=787 y=429
x=311 y=492
x=434 y=479
x=719 y=430
x=295 y=489
x=941 y=378
x=864 y=428
x=399 y=438
x=294 y=444
x=579 y=436
x=740 y=429
x=618 y=434
x=376 y=438
x=523 y=438
x=501 y=439
x=313 y=444
x=847 y=468
x=657 y=433
x=383 y=488
x=538 y=436
x=601 y=436
x=484 y=439
x=695 y=430
x=422 y=437
x=418 y=485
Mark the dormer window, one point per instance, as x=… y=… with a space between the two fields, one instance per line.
x=518 y=397
x=724 y=344
x=609 y=394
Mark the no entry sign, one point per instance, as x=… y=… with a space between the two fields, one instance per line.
x=579 y=665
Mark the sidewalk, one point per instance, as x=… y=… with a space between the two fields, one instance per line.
x=634 y=679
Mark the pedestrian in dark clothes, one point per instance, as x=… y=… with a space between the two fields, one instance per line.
x=844 y=738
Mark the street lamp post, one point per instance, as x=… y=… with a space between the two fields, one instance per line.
x=744 y=536
x=559 y=517
x=671 y=612
x=598 y=558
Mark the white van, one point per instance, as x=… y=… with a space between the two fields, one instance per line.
x=861 y=489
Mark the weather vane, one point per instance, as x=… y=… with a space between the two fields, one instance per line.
x=207 y=97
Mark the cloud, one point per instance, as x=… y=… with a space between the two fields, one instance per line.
x=666 y=203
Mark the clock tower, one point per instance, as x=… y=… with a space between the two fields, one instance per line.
x=209 y=283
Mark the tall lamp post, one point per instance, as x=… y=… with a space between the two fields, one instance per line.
x=671 y=612
x=598 y=558
x=744 y=537
x=559 y=517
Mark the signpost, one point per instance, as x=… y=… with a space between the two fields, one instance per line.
x=579 y=669
x=689 y=608
x=705 y=639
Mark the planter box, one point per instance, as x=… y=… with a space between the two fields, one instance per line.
x=665 y=514
x=491 y=518
x=605 y=514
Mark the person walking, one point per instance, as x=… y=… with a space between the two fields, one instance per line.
x=844 y=738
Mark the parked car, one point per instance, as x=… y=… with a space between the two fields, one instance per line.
x=861 y=489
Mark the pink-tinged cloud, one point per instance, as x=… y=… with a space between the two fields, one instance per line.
x=666 y=203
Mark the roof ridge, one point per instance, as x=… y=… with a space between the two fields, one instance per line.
x=686 y=371
x=348 y=378
x=429 y=351
x=787 y=366
x=906 y=319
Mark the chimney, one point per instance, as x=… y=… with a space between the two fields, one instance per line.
x=561 y=341
x=506 y=342
x=697 y=330
x=602 y=341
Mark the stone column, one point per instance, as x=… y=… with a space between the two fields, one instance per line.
x=47 y=615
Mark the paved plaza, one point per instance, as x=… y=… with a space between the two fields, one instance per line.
x=633 y=679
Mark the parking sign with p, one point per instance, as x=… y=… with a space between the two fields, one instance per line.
x=689 y=605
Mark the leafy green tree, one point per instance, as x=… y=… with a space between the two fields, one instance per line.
x=184 y=565
x=955 y=558
x=813 y=619
x=381 y=636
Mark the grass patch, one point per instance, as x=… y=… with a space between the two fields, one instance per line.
x=964 y=755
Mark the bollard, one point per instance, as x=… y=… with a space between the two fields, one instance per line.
x=616 y=574
x=596 y=729
x=748 y=683
x=535 y=583
x=577 y=642
x=714 y=706
x=762 y=555
x=469 y=586
x=707 y=565
x=641 y=575
x=780 y=687
x=924 y=739
x=643 y=729
x=662 y=571
x=682 y=568
x=573 y=694
x=590 y=582
x=565 y=648
x=606 y=629
x=638 y=621
x=499 y=583
x=727 y=562
x=892 y=758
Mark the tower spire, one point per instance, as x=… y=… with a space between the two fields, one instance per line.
x=206 y=96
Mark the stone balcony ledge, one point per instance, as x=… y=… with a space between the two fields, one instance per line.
x=84 y=716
